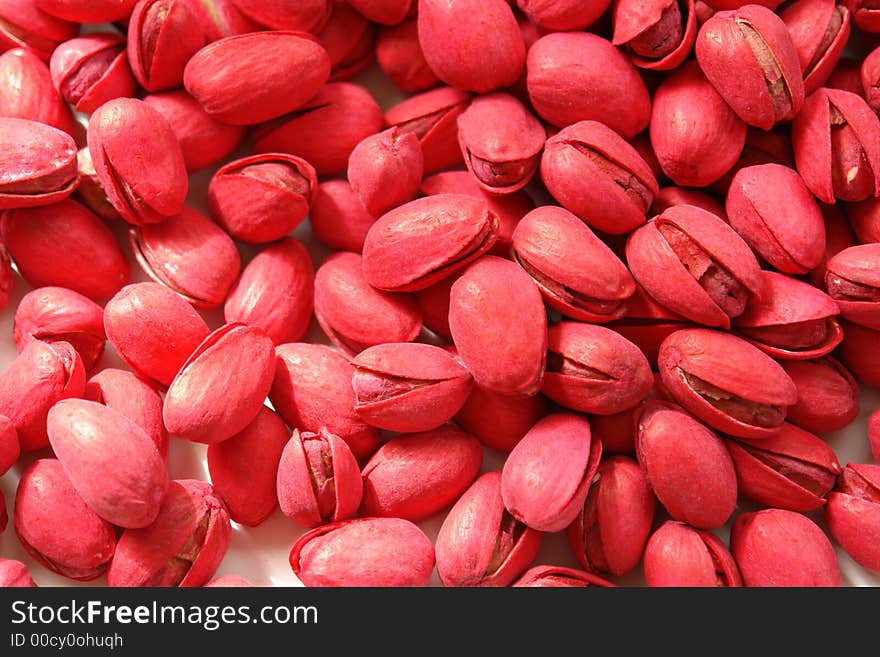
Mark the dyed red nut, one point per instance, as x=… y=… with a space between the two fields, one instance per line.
x=262 y=198
x=679 y=555
x=792 y=470
x=326 y=129
x=222 y=18
x=25 y=25
x=480 y=543
x=865 y=16
x=762 y=147
x=203 y=140
x=349 y=38
x=775 y=213
x=221 y=387
x=462 y=53
x=39 y=164
x=408 y=387
x=749 y=58
x=355 y=315
x=338 y=218
x=559 y=577
x=853 y=282
x=135 y=398
x=153 y=330
x=501 y=142
x=90 y=438
x=400 y=57
x=312 y=389
x=55 y=526
x=424 y=241
x=546 y=478
x=433 y=117
x=869 y=77
x=14 y=574
x=123 y=135
x=244 y=468
x=499 y=326
x=251 y=78
x=687 y=465
x=576 y=272
x=622 y=188
x=386 y=12
x=27 y=92
x=275 y=292
x=303 y=15
x=618 y=430
x=775 y=547
x=563 y=15
x=593 y=369
x=696 y=135
x=672 y=196
x=694 y=264
x=52 y=314
x=864 y=218
x=853 y=514
x=183 y=547
x=819 y=30
x=65 y=245
x=229 y=581
x=609 y=535
x=659 y=35
x=836 y=140
x=88 y=11
x=364 y=552
x=726 y=382
x=318 y=479
x=189 y=254
x=857 y=342
x=41 y=375
x=385 y=170
x=91 y=70
x=500 y=421
x=828 y=396
x=577 y=76
x=9 y=449
x=792 y=319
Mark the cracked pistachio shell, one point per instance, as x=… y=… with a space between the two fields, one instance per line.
x=349 y=39
x=658 y=34
x=819 y=30
x=853 y=514
x=23 y=24
x=679 y=555
x=853 y=281
x=27 y=91
x=563 y=15
x=385 y=170
x=828 y=395
x=90 y=70
x=558 y=577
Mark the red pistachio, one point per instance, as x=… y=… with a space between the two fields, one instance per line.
x=27 y=91
x=498 y=420
x=559 y=577
x=400 y=57
x=385 y=170
x=659 y=35
x=386 y=12
x=91 y=70
x=88 y=11
x=23 y=24
x=838 y=236
x=679 y=555
x=819 y=30
x=853 y=282
x=349 y=39
x=858 y=343
x=864 y=218
x=305 y=15
x=853 y=514
x=668 y=197
x=338 y=218
x=14 y=574
x=618 y=430
x=828 y=396
x=647 y=324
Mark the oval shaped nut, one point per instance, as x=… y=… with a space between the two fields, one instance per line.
x=775 y=547
x=318 y=479
x=26 y=26
x=29 y=92
x=622 y=186
x=153 y=329
x=546 y=478
x=244 y=468
x=836 y=148
x=189 y=254
x=593 y=369
x=501 y=142
x=349 y=39
x=792 y=320
x=658 y=35
x=679 y=555
x=563 y=15
x=88 y=11
x=696 y=135
x=262 y=198
x=828 y=395
x=499 y=421
x=251 y=78
x=853 y=282
x=338 y=218
x=14 y=574
x=355 y=315
x=499 y=325
x=275 y=292
x=857 y=342
x=132 y=396
x=305 y=15
x=819 y=30
x=559 y=577
x=90 y=70
x=726 y=382
x=56 y=313
x=853 y=514
x=694 y=264
x=792 y=470
x=312 y=389
x=385 y=12
x=423 y=241
x=183 y=547
x=687 y=465
x=55 y=526
x=578 y=76
x=385 y=170
x=39 y=164
x=480 y=543
x=399 y=55
x=408 y=387
x=221 y=388
x=123 y=135
x=419 y=474
x=40 y=375
x=364 y=552
x=749 y=58
x=609 y=534
x=9 y=449
x=90 y=438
